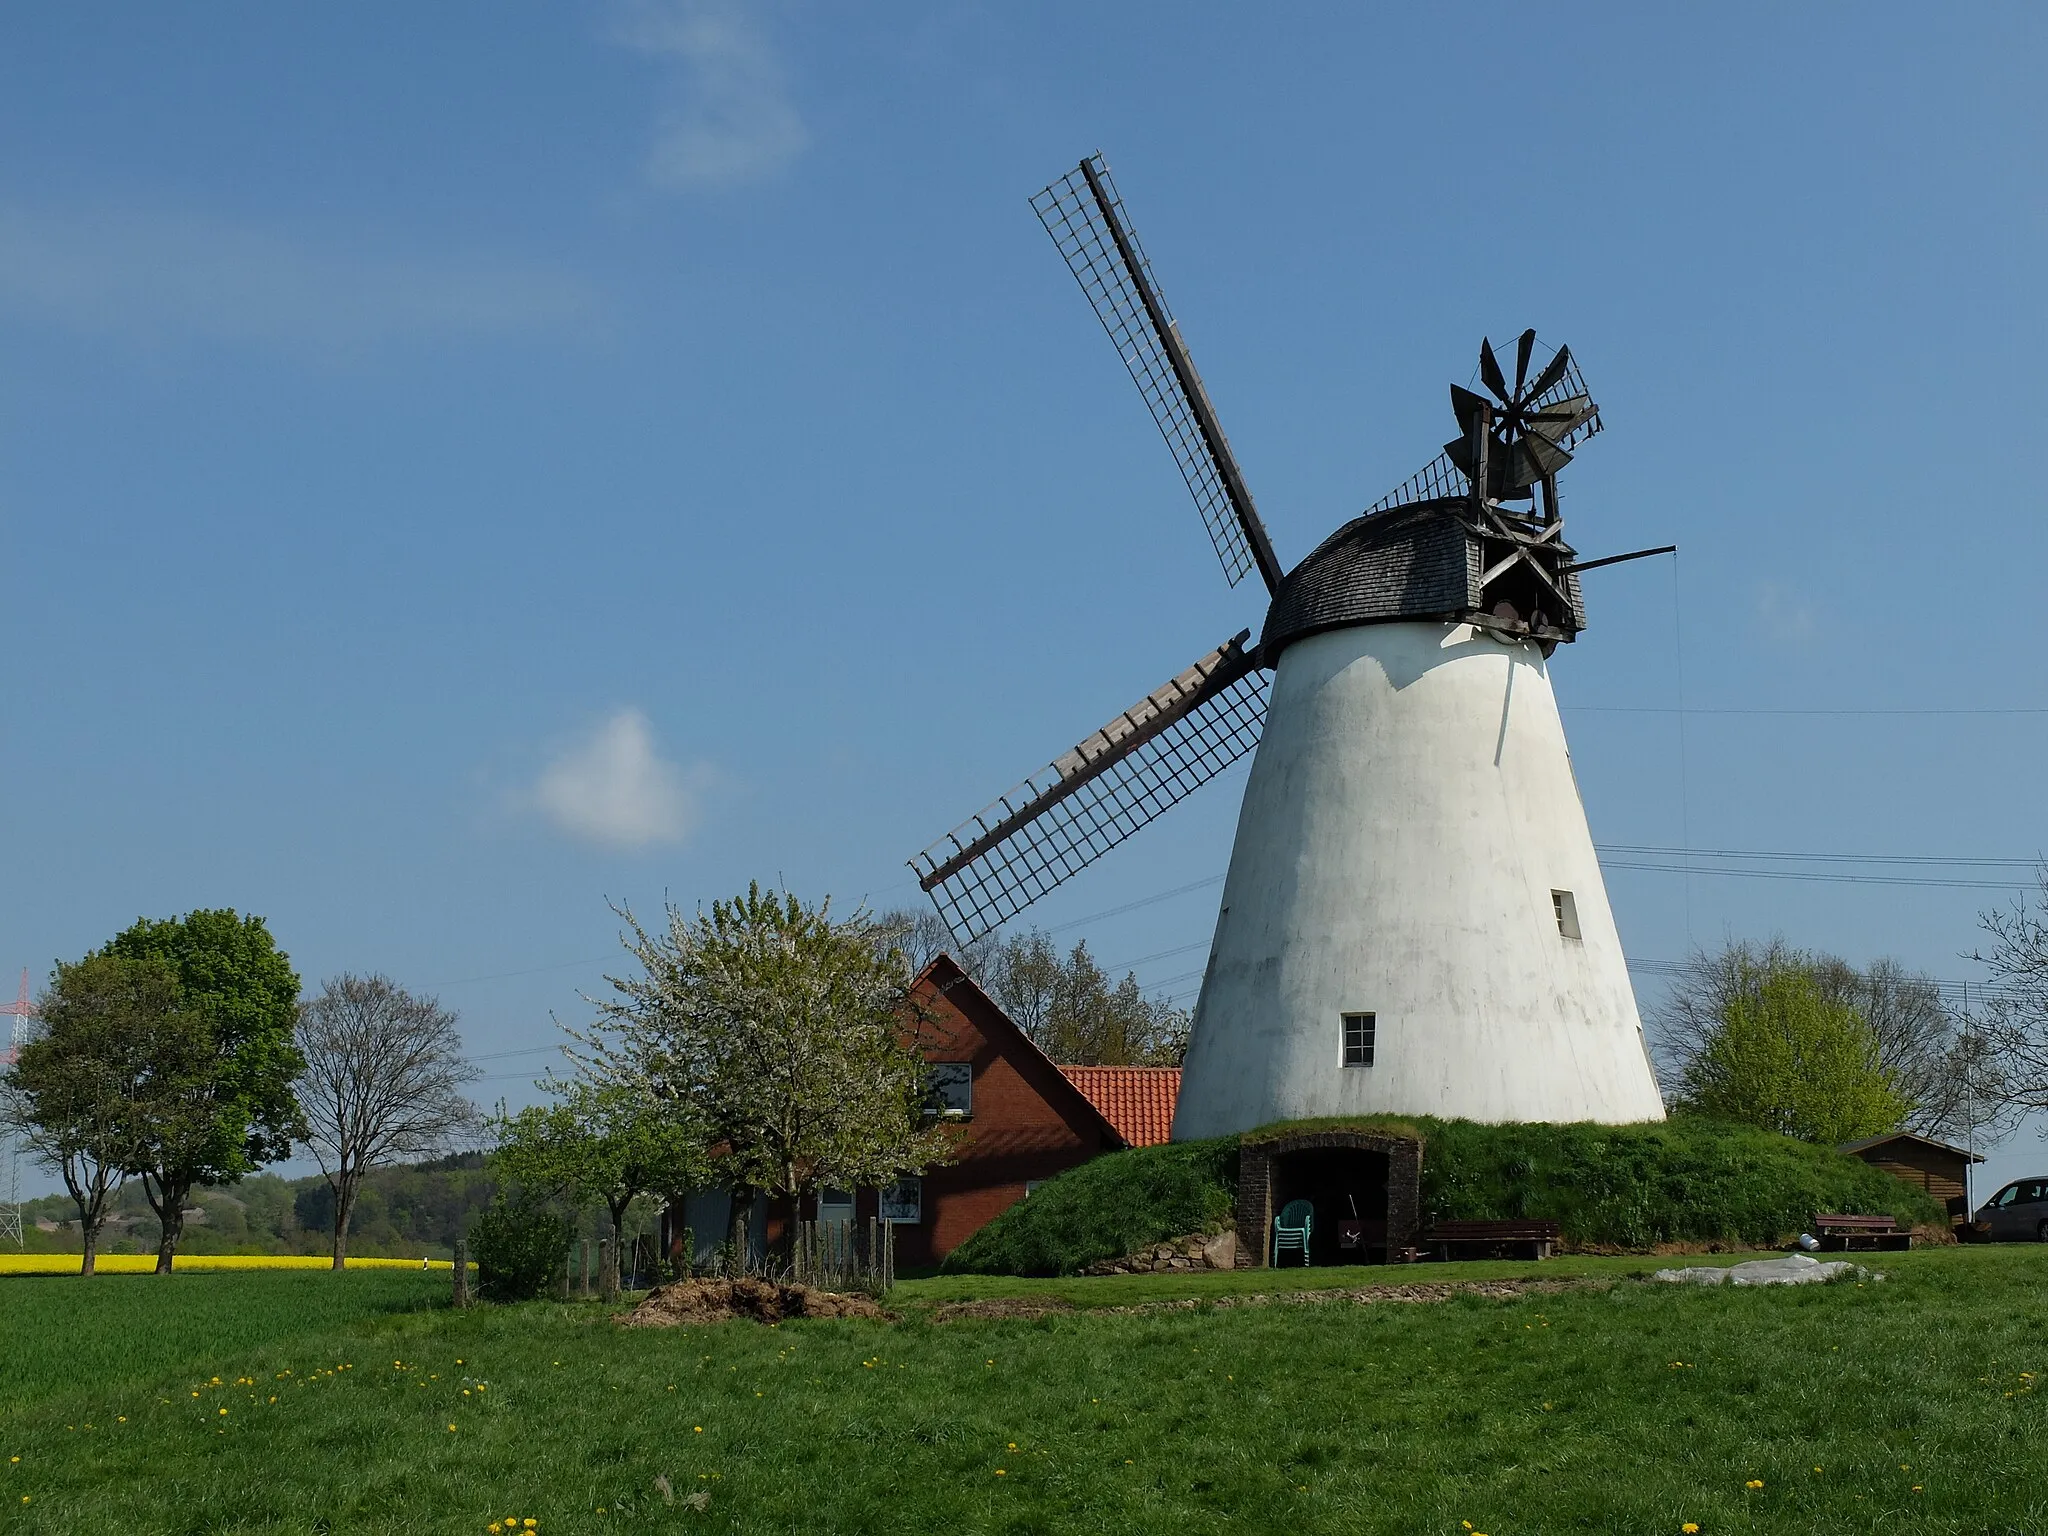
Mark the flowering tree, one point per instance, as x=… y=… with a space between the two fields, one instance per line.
x=793 y=1034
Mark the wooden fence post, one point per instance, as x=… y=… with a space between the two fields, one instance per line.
x=461 y=1273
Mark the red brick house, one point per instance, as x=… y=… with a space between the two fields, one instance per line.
x=1021 y=1119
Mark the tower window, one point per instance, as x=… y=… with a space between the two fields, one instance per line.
x=1358 y=1039
x=1567 y=913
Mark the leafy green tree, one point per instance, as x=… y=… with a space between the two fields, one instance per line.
x=218 y=1099
x=1941 y=1062
x=611 y=1142
x=1787 y=1057
x=75 y=1094
x=792 y=1034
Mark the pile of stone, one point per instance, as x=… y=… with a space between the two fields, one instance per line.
x=1196 y=1251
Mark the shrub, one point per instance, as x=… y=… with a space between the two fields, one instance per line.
x=1623 y=1186
x=519 y=1246
x=1106 y=1208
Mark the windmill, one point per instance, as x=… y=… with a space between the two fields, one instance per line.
x=1414 y=919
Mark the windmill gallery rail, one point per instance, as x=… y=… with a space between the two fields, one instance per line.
x=1414 y=918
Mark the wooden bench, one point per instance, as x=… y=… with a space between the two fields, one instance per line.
x=1491 y=1239
x=1842 y=1233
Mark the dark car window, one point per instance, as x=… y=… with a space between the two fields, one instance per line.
x=2031 y=1192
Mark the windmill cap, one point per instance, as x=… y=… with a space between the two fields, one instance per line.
x=1415 y=562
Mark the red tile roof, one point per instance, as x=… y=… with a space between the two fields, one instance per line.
x=1138 y=1101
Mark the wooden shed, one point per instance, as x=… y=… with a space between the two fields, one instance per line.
x=1932 y=1165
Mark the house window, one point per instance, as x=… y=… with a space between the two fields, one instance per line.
x=949 y=1090
x=835 y=1207
x=903 y=1201
x=1567 y=911
x=1358 y=1039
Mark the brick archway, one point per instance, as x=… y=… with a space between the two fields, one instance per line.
x=1261 y=1170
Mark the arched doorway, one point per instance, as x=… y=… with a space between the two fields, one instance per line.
x=1365 y=1188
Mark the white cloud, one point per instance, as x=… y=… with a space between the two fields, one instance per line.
x=168 y=277
x=732 y=118
x=613 y=788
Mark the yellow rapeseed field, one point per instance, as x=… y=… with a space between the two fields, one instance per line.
x=145 y=1263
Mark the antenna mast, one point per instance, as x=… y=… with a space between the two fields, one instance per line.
x=10 y=1147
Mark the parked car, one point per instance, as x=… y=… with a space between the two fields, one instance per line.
x=2017 y=1213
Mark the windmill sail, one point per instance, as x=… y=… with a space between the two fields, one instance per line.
x=1084 y=216
x=1064 y=817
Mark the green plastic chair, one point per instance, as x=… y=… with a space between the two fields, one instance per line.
x=1291 y=1229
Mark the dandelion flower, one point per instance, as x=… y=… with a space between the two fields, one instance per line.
x=698 y=1427
x=451 y=1429
x=1690 y=1528
x=223 y=1412
x=1001 y=1473
x=1754 y=1482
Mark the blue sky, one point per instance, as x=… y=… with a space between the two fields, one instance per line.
x=459 y=467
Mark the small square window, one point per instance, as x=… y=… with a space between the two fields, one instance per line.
x=1358 y=1039
x=949 y=1090
x=1567 y=911
x=903 y=1201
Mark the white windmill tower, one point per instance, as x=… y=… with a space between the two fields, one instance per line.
x=1414 y=919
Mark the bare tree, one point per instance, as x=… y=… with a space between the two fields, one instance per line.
x=922 y=936
x=1934 y=1056
x=2013 y=1012
x=383 y=1080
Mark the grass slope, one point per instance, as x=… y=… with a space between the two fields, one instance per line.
x=1106 y=1208
x=1622 y=1186
x=1899 y=1407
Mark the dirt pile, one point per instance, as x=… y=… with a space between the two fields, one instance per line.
x=689 y=1302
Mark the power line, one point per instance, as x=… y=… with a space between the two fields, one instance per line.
x=1815 y=876
x=1814 y=858
x=1669 y=709
x=1132 y=906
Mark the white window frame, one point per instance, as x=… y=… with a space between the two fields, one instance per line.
x=894 y=1192
x=1565 y=908
x=1368 y=1047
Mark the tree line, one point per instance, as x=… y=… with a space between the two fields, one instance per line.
x=762 y=1044
x=179 y=1055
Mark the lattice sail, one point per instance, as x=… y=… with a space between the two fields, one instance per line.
x=1064 y=817
x=1083 y=213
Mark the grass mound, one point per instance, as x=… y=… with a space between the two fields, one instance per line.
x=1630 y=1186
x=1107 y=1208
x=1616 y=1186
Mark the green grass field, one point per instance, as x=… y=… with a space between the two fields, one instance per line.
x=1894 y=1407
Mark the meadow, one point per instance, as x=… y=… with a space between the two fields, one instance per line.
x=293 y=1402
